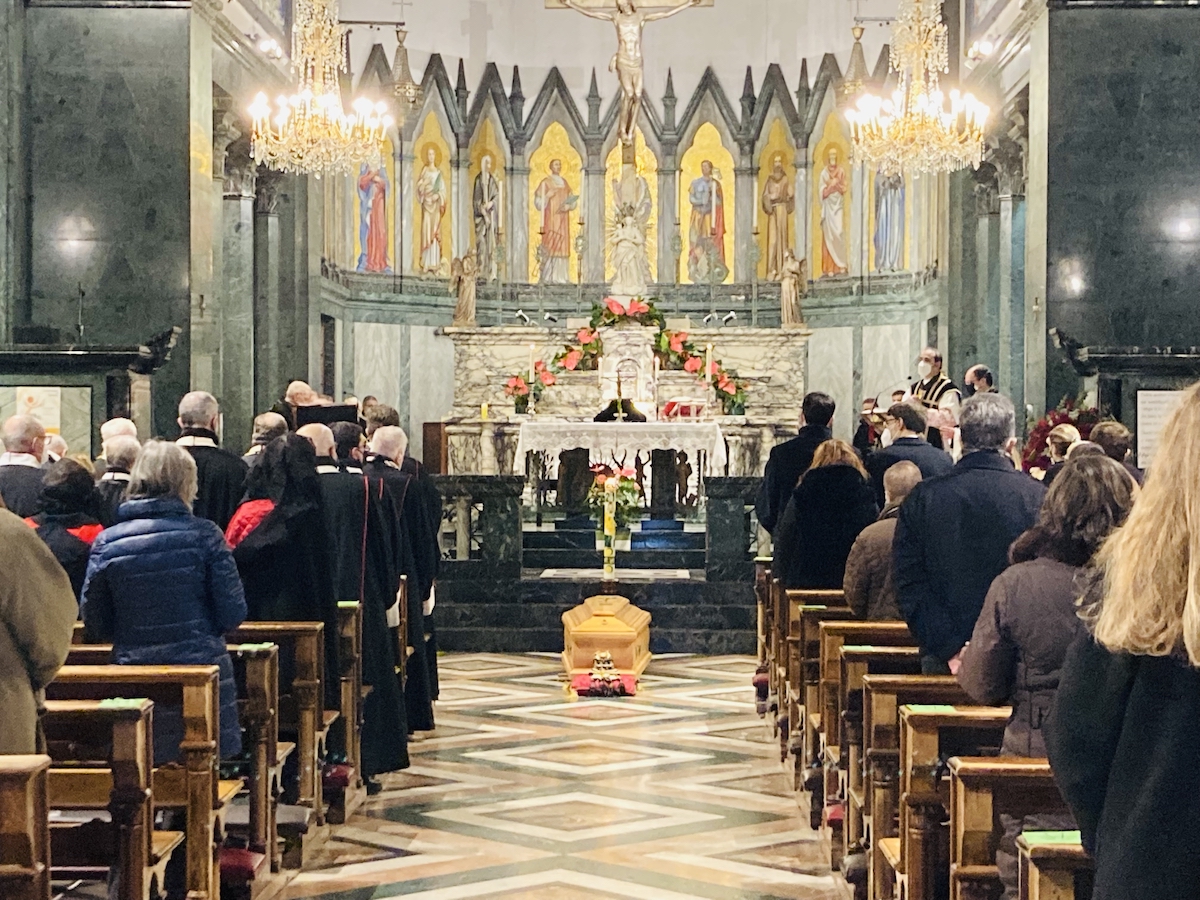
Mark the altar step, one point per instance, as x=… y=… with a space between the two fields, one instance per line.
x=572 y=544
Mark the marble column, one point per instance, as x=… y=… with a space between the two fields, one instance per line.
x=746 y=190
x=1036 y=215
x=406 y=226
x=668 y=218
x=858 y=221
x=13 y=156
x=237 y=297
x=516 y=225
x=987 y=275
x=595 y=217
x=803 y=207
x=268 y=376
x=463 y=216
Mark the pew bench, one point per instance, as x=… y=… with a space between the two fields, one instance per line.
x=919 y=866
x=883 y=695
x=101 y=797
x=1054 y=866
x=192 y=786
x=762 y=602
x=806 y=611
x=344 y=800
x=980 y=791
x=24 y=827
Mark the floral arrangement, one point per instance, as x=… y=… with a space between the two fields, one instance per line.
x=583 y=356
x=613 y=312
x=1084 y=418
x=629 y=495
x=731 y=390
x=519 y=388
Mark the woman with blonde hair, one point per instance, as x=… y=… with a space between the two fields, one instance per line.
x=1059 y=442
x=830 y=505
x=1124 y=735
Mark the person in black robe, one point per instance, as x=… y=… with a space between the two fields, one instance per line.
x=282 y=551
x=428 y=555
x=121 y=452
x=220 y=474
x=410 y=541
x=350 y=445
x=365 y=570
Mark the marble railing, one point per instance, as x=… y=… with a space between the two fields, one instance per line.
x=481 y=525
x=732 y=528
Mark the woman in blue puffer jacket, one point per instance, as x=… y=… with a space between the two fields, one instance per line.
x=163 y=587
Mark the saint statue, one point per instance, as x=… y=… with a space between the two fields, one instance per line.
x=793 y=282
x=706 y=230
x=889 y=222
x=555 y=199
x=778 y=203
x=432 y=195
x=631 y=266
x=486 y=203
x=372 y=219
x=834 y=184
x=463 y=273
x=627 y=62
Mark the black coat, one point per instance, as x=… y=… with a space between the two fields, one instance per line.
x=21 y=488
x=220 y=476
x=826 y=512
x=952 y=541
x=928 y=458
x=788 y=461
x=69 y=537
x=1124 y=743
x=110 y=494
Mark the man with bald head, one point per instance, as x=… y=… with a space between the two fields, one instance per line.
x=365 y=557
x=21 y=465
x=267 y=427
x=870 y=582
x=221 y=475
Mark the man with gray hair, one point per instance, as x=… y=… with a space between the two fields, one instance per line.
x=870 y=582
x=954 y=532
x=120 y=453
x=119 y=426
x=221 y=474
x=21 y=465
x=267 y=427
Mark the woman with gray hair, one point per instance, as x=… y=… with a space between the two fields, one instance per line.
x=162 y=586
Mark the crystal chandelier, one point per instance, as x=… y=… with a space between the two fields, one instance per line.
x=913 y=129
x=309 y=133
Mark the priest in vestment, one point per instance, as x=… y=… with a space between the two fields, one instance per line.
x=412 y=538
x=556 y=201
x=365 y=569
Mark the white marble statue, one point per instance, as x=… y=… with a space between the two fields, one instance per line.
x=793 y=281
x=463 y=275
x=631 y=266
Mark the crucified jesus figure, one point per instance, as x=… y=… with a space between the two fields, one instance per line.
x=627 y=62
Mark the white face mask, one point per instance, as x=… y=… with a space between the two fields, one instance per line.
x=886 y=438
x=924 y=369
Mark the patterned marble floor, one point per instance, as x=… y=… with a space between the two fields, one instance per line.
x=524 y=793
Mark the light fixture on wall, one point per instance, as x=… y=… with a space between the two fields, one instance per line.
x=407 y=92
x=308 y=132
x=854 y=82
x=914 y=129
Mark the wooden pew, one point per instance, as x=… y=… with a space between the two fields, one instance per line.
x=194 y=786
x=103 y=752
x=762 y=596
x=24 y=827
x=805 y=611
x=302 y=716
x=346 y=800
x=883 y=695
x=856 y=663
x=1054 y=866
x=919 y=858
x=980 y=791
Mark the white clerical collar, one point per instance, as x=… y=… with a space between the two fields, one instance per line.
x=328 y=470
x=116 y=476
x=353 y=470
x=20 y=459
x=195 y=440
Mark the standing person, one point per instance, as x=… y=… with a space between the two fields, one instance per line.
x=350 y=445
x=1117 y=442
x=381 y=416
x=37 y=618
x=1059 y=442
x=118 y=427
x=954 y=532
x=1124 y=733
x=934 y=390
x=267 y=427
x=1029 y=620
x=905 y=427
x=828 y=509
x=120 y=453
x=163 y=588
x=866 y=437
x=21 y=465
x=978 y=380
x=365 y=569
x=791 y=459
x=870 y=582
x=67 y=522
x=221 y=475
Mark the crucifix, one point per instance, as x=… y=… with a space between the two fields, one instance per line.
x=628 y=62
x=402 y=4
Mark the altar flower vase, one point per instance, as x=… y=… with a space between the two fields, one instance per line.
x=571 y=360
x=693 y=364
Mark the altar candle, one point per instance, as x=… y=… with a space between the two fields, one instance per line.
x=600 y=371
x=708 y=363
x=483 y=411
x=532 y=350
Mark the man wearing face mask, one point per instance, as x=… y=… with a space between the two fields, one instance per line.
x=939 y=395
x=21 y=465
x=905 y=425
x=978 y=380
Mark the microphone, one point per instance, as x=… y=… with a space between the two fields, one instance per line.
x=730 y=316
x=550 y=318
x=520 y=314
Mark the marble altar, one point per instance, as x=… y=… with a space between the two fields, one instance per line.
x=612 y=439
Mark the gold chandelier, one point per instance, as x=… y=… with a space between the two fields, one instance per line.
x=913 y=130
x=309 y=133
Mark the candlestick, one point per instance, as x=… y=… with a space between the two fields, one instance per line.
x=600 y=372
x=483 y=411
x=610 y=528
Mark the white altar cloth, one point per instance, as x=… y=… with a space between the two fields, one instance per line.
x=606 y=439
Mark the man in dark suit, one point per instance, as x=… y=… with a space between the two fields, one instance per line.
x=954 y=532
x=220 y=474
x=792 y=459
x=21 y=465
x=906 y=426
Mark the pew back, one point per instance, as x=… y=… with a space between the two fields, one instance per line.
x=24 y=827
